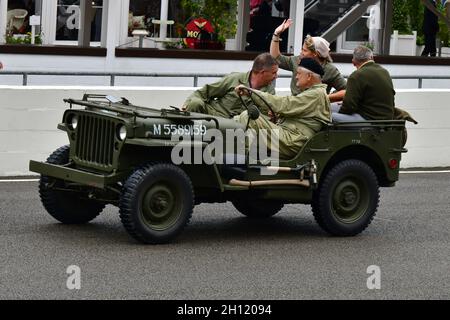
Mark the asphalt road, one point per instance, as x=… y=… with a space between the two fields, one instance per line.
x=222 y=255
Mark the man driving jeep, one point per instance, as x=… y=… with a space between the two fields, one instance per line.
x=220 y=99
x=300 y=116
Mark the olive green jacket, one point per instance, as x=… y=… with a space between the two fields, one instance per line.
x=221 y=97
x=370 y=92
x=300 y=116
x=332 y=77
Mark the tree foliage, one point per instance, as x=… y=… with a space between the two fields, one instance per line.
x=407 y=16
x=400 y=17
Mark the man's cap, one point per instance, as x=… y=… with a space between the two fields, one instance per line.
x=312 y=65
x=322 y=46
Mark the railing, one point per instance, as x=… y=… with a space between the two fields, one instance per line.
x=195 y=76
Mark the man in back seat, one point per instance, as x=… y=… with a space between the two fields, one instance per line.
x=300 y=116
x=370 y=91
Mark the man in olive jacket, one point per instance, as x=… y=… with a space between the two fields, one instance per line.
x=370 y=91
x=300 y=116
x=220 y=99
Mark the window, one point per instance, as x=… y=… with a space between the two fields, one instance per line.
x=141 y=13
x=358 y=31
x=195 y=24
x=265 y=16
x=18 y=28
x=68 y=20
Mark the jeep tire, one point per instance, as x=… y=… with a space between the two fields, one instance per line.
x=68 y=207
x=156 y=203
x=346 y=199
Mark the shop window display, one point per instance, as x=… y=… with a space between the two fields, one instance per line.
x=194 y=24
x=18 y=29
x=68 y=20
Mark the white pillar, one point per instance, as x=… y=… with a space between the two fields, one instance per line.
x=297 y=13
x=3 y=22
x=123 y=18
x=163 y=17
x=243 y=22
x=48 y=21
x=113 y=30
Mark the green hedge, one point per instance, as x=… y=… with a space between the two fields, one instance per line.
x=407 y=16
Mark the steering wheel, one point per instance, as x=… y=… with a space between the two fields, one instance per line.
x=253 y=91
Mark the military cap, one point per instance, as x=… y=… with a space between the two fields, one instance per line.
x=312 y=65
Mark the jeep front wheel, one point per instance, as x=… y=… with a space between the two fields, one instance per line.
x=66 y=206
x=347 y=198
x=156 y=203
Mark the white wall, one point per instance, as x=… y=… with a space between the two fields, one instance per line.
x=19 y=62
x=30 y=116
x=428 y=142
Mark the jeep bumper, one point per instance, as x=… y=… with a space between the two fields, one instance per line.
x=75 y=175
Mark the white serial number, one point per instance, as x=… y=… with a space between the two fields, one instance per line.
x=179 y=129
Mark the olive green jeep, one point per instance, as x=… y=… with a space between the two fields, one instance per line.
x=122 y=154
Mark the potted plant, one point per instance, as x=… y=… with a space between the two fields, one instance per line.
x=11 y=38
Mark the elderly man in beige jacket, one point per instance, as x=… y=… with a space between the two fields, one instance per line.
x=299 y=116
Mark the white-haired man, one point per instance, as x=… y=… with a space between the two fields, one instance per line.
x=299 y=116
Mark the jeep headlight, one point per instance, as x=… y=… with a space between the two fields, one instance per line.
x=73 y=121
x=121 y=132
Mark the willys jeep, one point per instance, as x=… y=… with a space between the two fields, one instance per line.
x=120 y=154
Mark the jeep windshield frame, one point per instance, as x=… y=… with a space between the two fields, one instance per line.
x=125 y=108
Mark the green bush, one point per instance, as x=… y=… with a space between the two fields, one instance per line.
x=400 y=17
x=407 y=16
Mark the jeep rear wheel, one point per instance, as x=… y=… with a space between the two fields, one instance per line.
x=69 y=207
x=347 y=198
x=257 y=208
x=156 y=203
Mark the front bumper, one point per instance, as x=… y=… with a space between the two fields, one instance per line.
x=75 y=175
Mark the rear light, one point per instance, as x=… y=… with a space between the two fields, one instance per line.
x=393 y=163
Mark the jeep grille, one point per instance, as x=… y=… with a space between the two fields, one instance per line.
x=95 y=140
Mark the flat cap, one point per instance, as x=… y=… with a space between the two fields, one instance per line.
x=312 y=65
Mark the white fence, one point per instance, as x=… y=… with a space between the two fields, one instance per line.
x=30 y=116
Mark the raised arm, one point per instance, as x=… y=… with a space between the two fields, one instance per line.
x=275 y=43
